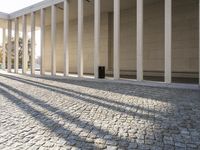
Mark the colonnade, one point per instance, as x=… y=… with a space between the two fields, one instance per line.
x=116 y=40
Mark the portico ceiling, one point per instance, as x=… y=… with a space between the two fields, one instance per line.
x=10 y=6
x=106 y=6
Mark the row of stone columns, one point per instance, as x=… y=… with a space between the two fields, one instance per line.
x=168 y=40
x=116 y=44
x=16 y=45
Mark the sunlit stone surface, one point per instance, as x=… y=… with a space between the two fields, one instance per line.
x=38 y=113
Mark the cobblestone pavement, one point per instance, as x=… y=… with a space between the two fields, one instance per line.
x=41 y=113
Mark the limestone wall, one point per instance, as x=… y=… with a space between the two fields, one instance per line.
x=185 y=40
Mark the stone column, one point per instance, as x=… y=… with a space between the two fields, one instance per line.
x=9 y=46
x=33 y=43
x=53 y=40
x=25 y=45
x=139 y=40
x=97 y=12
x=4 y=49
x=42 y=21
x=199 y=42
x=66 y=37
x=168 y=39
x=16 y=45
x=80 y=39
x=116 y=46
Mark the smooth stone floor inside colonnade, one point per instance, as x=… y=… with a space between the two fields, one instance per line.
x=44 y=113
x=160 y=79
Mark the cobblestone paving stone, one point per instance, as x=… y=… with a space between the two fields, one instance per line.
x=61 y=114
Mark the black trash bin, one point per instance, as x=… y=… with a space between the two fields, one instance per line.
x=101 y=70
